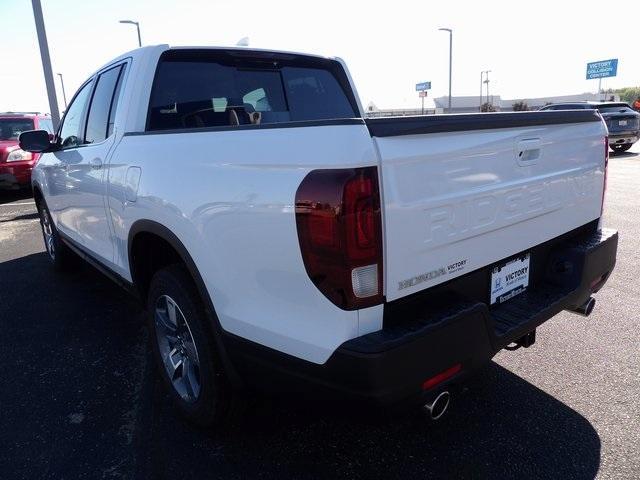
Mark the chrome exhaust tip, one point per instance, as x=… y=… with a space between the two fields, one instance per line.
x=439 y=406
x=586 y=308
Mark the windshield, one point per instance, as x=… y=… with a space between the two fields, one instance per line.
x=11 y=128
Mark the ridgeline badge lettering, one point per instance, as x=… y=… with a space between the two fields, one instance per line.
x=422 y=278
x=451 y=268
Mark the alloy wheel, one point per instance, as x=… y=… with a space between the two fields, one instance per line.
x=47 y=231
x=177 y=349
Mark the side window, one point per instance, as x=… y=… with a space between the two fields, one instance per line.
x=70 y=133
x=114 y=102
x=98 y=119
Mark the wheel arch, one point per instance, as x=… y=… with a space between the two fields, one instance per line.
x=153 y=229
x=37 y=193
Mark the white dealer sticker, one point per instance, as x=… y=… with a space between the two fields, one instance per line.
x=510 y=279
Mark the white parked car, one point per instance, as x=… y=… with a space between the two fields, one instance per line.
x=280 y=240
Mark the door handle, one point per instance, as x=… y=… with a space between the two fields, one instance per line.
x=96 y=163
x=528 y=151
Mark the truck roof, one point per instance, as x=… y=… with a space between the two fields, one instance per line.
x=249 y=49
x=147 y=50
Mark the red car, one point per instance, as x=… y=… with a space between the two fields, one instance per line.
x=16 y=164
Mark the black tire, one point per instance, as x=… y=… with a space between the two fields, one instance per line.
x=62 y=258
x=621 y=148
x=214 y=405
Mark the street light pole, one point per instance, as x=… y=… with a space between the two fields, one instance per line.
x=482 y=73
x=64 y=95
x=131 y=22
x=488 y=99
x=450 y=60
x=46 y=63
x=481 y=77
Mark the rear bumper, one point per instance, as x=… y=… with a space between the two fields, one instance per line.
x=391 y=365
x=13 y=175
x=620 y=138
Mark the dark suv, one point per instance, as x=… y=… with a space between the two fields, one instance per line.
x=622 y=121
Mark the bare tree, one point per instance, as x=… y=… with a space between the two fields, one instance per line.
x=520 y=106
x=487 y=107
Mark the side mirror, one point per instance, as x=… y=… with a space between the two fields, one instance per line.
x=35 y=141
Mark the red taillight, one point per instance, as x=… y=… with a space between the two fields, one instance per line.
x=606 y=169
x=441 y=377
x=340 y=234
x=360 y=208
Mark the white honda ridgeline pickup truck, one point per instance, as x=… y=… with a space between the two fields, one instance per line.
x=282 y=240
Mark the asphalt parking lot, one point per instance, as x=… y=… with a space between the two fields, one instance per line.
x=79 y=396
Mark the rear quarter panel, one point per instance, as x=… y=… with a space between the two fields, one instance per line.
x=229 y=197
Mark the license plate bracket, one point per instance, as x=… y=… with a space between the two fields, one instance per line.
x=509 y=279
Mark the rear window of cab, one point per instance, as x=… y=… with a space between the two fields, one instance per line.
x=203 y=89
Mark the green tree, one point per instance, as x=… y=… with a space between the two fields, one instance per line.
x=628 y=94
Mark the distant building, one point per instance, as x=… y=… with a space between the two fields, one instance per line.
x=472 y=104
x=400 y=112
x=466 y=104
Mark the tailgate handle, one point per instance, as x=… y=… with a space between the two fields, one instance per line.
x=528 y=151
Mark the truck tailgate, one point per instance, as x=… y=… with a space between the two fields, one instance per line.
x=461 y=192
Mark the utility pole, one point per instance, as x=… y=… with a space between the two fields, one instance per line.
x=481 y=77
x=487 y=82
x=482 y=73
x=46 y=63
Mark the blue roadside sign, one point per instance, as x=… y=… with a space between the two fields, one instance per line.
x=602 y=69
x=423 y=86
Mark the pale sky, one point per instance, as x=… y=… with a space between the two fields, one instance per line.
x=533 y=48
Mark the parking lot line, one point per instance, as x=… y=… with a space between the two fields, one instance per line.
x=17 y=204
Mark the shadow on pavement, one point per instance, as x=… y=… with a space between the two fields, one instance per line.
x=503 y=427
x=74 y=351
x=8 y=196
x=622 y=154
x=80 y=401
x=26 y=216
